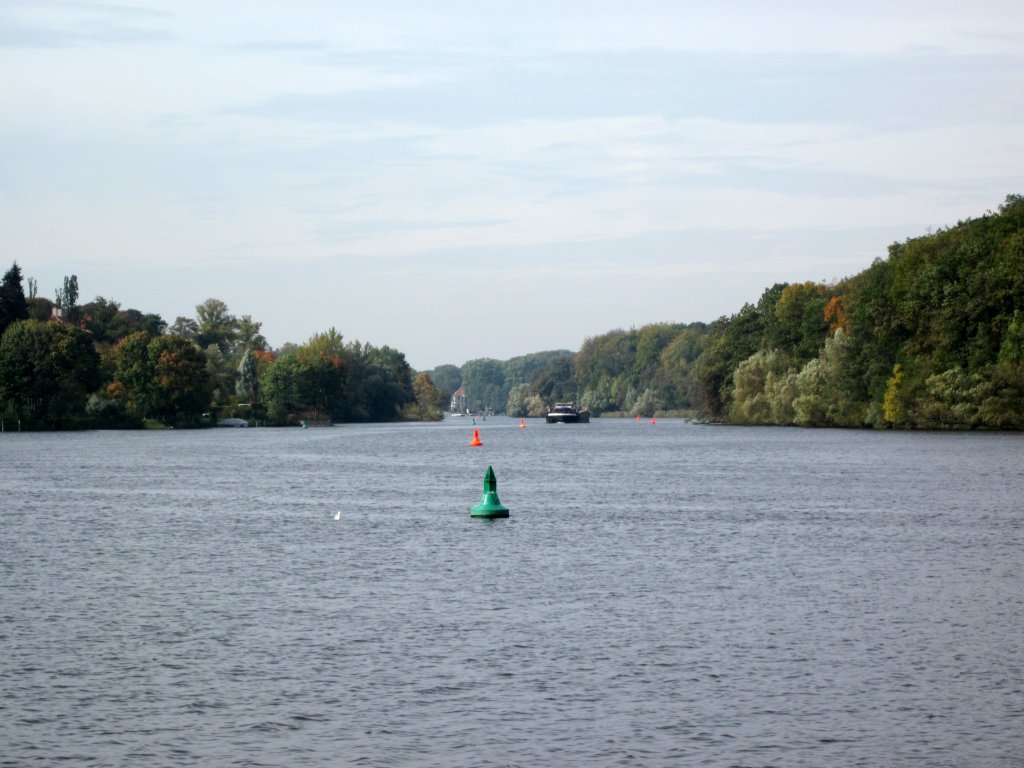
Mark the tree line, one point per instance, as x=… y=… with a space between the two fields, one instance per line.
x=932 y=337
x=66 y=365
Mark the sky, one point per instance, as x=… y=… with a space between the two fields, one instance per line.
x=463 y=179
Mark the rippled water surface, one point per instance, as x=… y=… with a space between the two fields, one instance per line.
x=662 y=595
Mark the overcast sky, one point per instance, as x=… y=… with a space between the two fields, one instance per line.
x=462 y=179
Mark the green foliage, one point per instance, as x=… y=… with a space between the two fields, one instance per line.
x=516 y=404
x=280 y=386
x=326 y=379
x=483 y=382
x=181 y=386
x=611 y=354
x=221 y=373
x=13 y=305
x=730 y=341
x=47 y=371
x=133 y=375
x=599 y=398
x=382 y=382
x=108 y=323
x=613 y=371
x=799 y=314
x=522 y=369
x=535 y=406
x=988 y=399
x=488 y=383
x=821 y=398
x=675 y=377
x=105 y=412
x=447 y=379
x=149 y=377
x=764 y=388
x=893 y=404
x=555 y=382
x=931 y=337
x=67 y=299
x=646 y=404
x=163 y=378
x=523 y=402
x=215 y=325
x=185 y=327
x=1011 y=349
x=248 y=334
x=248 y=385
x=39 y=308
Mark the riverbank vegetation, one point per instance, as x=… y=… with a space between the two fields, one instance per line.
x=931 y=336
x=65 y=365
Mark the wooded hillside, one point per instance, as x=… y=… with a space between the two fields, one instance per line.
x=932 y=336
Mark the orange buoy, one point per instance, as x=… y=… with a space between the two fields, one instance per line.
x=476 y=438
x=522 y=423
x=652 y=420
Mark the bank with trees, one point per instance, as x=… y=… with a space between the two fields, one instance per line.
x=69 y=365
x=929 y=336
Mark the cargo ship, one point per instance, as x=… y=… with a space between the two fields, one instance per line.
x=567 y=413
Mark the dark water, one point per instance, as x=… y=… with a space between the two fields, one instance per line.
x=662 y=595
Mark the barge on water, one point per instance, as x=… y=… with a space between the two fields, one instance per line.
x=567 y=413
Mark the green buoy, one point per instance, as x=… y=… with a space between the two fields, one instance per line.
x=489 y=506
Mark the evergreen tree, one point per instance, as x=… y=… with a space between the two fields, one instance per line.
x=13 y=305
x=248 y=385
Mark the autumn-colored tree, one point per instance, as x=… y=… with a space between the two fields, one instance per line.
x=429 y=402
x=162 y=377
x=181 y=386
x=835 y=316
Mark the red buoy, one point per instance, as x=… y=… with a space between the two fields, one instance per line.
x=476 y=438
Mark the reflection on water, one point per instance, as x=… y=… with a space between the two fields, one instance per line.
x=662 y=595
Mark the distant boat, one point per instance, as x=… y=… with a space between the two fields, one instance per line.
x=232 y=423
x=567 y=413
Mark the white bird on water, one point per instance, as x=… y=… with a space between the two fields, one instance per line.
x=337 y=515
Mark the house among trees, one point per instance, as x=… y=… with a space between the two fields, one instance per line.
x=458 y=404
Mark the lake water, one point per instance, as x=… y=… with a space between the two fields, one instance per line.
x=662 y=595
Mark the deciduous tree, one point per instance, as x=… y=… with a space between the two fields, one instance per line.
x=67 y=299
x=428 y=399
x=215 y=325
x=47 y=371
